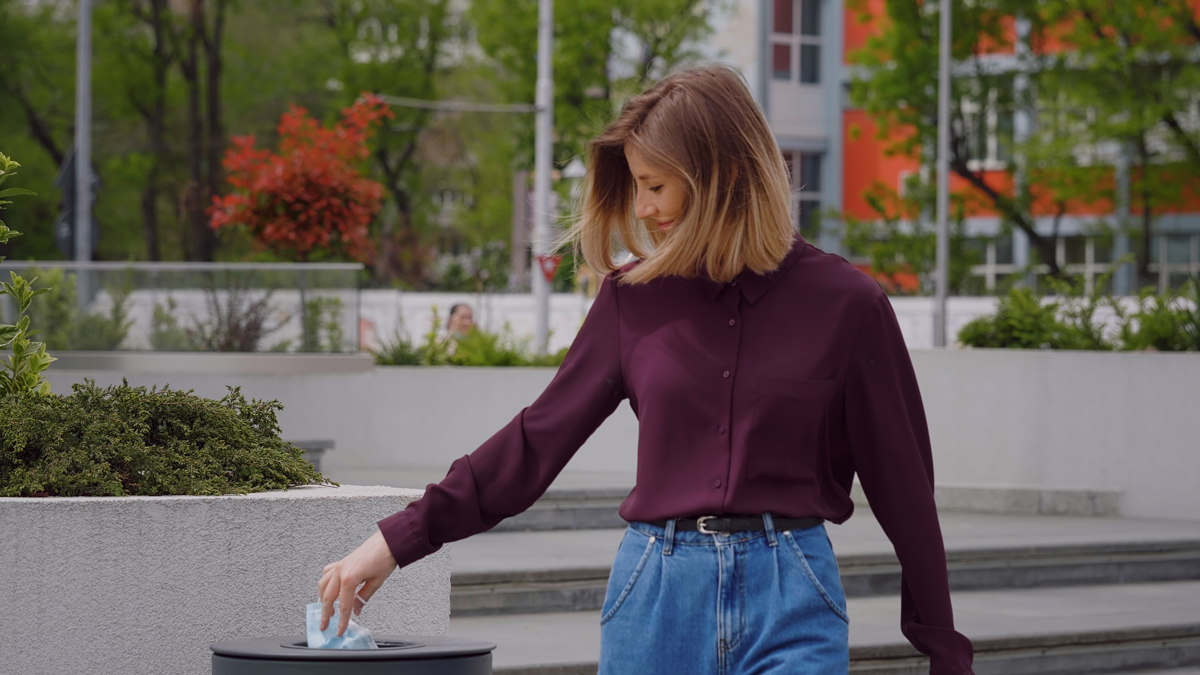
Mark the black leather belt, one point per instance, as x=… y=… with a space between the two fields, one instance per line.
x=751 y=523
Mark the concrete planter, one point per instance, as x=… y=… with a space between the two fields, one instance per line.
x=1082 y=433
x=128 y=585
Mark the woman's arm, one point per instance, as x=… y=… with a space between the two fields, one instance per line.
x=889 y=440
x=507 y=474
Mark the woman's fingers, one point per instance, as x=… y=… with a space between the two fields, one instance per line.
x=346 y=600
x=328 y=595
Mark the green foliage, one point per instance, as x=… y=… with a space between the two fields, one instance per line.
x=22 y=373
x=1021 y=322
x=897 y=246
x=133 y=441
x=238 y=324
x=166 y=333
x=321 y=329
x=1124 y=77
x=1169 y=322
x=66 y=327
x=1163 y=323
x=477 y=348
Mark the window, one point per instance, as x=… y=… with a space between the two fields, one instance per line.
x=1182 y=254
x=796 y=41
x=988 y=116
x=805 y=171
x=1086 y=256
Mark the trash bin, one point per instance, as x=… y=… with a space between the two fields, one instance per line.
x=397 y=655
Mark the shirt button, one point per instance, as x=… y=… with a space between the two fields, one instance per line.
x=721 y=430
x=732 y=321
x=725 y=374
x=717 y=483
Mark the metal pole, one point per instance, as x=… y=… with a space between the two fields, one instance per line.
x=943 y=179
x=83 y=147
x=543 y=150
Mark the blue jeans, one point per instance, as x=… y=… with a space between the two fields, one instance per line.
x=740 y=603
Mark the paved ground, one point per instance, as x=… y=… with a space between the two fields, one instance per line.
x=574 y=637
x=861 y=535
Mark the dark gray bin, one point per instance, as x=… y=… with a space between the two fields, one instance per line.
x=397 y=655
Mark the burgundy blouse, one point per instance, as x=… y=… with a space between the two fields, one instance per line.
x=764 y=394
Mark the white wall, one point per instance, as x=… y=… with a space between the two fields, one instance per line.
x=1073 y=420
x=133 y=585
x=1000 y=419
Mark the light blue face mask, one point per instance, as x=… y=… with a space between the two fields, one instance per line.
x=355 y=637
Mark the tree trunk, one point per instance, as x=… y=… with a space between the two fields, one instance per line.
x=193 y=204
x=156 y=121
x=216 y=128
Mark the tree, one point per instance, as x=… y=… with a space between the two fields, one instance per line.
x=310 y=197
x=587 y=92
x=1131 y=70
x=1126 y=68
x=396 y=48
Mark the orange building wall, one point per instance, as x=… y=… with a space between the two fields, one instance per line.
x=864 y=163
x=854 y=33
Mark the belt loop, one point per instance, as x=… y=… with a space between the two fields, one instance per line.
x=669 y=537
x=769 y=526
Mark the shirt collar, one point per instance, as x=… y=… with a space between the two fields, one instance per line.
x=753 y=285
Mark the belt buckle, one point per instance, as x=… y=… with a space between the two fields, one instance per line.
x=704 y=530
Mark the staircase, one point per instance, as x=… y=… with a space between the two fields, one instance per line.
x=1038 y=595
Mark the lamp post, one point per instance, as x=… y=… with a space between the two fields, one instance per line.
x=542 y=162
x=943 y=179
x=83 y=149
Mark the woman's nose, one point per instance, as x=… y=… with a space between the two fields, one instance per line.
x=644 y=208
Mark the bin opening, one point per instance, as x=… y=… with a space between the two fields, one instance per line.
x=383 y=644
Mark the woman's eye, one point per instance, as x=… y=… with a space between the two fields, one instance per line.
x=656 y=188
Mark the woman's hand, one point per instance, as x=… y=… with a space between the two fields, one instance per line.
x=369 y=565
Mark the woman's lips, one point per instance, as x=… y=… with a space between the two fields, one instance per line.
x=662 y=225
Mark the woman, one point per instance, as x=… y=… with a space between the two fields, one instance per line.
x=764 y=374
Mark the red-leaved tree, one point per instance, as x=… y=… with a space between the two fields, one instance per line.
x=310 y=196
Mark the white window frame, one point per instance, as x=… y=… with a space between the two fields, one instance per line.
x=794 y=40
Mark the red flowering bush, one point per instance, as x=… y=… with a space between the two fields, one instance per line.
x=310 y=196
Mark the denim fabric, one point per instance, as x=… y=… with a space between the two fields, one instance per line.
x=738 y=604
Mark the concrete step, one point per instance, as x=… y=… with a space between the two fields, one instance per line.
x=555 y=571
x=570 y=509
x=1080 y=630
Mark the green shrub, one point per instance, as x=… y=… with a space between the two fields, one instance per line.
x=321 y=325
x=166 y=333
x=126 y=440
x=65 y=326
x=1165 y=323
x=22 y=373
x=1021 y=321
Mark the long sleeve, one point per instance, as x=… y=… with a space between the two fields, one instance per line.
x=514 y=467
x=889 y=443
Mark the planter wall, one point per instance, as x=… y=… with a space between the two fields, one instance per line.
x=128 y=585
x=1013 y=431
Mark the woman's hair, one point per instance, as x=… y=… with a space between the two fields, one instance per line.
x=702 y=126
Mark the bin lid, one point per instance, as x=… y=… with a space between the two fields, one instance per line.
x=392 y=648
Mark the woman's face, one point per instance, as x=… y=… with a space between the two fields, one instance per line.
x=660 y=195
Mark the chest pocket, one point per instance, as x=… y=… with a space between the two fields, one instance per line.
x=789 y=431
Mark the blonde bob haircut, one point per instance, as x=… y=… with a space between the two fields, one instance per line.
x=702 y=126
